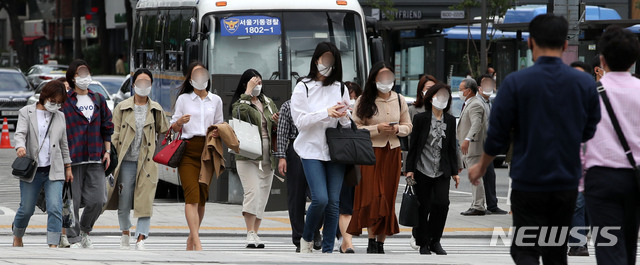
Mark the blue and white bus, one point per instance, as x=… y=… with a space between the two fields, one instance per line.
x=275 y=37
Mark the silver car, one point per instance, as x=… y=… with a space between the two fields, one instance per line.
x=42 y=72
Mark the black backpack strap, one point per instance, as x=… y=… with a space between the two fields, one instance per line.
x=616 y=126
x=305 y=86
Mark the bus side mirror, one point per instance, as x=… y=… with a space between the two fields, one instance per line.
x=190 y=54
x=377 y=50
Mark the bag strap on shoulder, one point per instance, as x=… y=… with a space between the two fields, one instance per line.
x=616 y=126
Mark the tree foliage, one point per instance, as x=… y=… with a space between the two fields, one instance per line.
x=386 y=8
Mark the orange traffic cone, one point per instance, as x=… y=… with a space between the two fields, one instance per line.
x=5 y=143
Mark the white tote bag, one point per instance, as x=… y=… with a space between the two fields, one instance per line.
x=249 y=137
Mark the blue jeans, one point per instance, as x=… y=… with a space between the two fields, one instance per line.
x=579 y=218
x=127 y=183
x=29 y=194
x=325 y=182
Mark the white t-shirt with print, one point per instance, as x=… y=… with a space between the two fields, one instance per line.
x=86 y=106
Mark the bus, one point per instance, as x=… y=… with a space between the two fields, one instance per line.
x=276 y=37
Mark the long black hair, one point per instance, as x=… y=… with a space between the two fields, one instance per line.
x=367 y=105
x=139 y=72
x=336 y=72
x=432 y=92
x=186 y=86
x=242 y=86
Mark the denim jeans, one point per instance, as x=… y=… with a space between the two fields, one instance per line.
x=29 y=194
x=325 y=182
x=579 y=218
x=127 y=183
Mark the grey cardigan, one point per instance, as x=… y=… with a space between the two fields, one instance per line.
x=27 y=136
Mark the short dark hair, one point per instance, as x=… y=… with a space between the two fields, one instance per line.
x=353 y=87
x=620 y=48
x=549 y=31
x=587 y=68
x=432 y=92
x=73 y=68
x=53 y=89
x=139 y=72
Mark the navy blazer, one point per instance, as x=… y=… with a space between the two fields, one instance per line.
x=448 y=155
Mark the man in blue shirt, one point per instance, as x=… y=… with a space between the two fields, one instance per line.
x=551 y=109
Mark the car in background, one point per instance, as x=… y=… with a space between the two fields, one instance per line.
x=110 y=82
x=95 y=86
x=42 y=72
x=15 y=91
x=124 y=92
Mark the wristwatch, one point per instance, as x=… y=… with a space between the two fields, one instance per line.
x=108 y=151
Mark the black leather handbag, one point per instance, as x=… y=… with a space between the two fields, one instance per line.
x=410 y=208
x=24 y=168
x=350 y=145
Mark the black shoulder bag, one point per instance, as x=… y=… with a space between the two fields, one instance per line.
x=24 y=168
x=618 y=129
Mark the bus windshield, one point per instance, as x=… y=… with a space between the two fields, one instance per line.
x=280 y=45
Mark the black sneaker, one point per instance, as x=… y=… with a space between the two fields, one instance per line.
x=497 y=211
x=372 y=248
x=578 y=251
x=298 y=249
x=317 y=240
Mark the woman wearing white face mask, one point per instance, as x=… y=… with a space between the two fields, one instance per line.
x=137 y=121
x=194 y=111
x=418 y=106
x=386 y=115
x=431 y=162
x=42 y=127
x=251 y=105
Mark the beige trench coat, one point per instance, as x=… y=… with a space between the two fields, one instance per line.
x=124 y=133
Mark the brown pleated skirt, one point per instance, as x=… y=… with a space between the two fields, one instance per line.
x=189 y=170
x=375 y=197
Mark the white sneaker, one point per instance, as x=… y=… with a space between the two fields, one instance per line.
x=140 y=245
x=251 y=240
x=257 y=241
x=86 y=241
x=76 y=245
x=306 y=247
x=125 y=242
x=337 y=244
x=64 y=242
x=412 y=243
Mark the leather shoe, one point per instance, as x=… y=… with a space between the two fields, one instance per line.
x=424 y=250
x=497 y=211
x=317 y=241
x=472 y=212
x=578 y=251
x=435 y=247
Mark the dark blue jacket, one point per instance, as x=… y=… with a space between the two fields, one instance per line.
x=551 y=108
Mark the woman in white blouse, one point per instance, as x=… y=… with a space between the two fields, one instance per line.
x=194 y=111
x=318 y=102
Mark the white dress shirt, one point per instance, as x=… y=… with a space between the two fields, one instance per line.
x=311 y=117
x=44 y=118
x=204 y=113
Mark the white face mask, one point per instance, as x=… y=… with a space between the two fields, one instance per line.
x=424 y=93
x=83 y=82
x=487 y=93
x=384 y=87
x=462 y=97
x=52 y=107
x=438 y=104
x=199 y=86
x=352 y=102
x=143 y=92
x=256 y=91
x=324 y=71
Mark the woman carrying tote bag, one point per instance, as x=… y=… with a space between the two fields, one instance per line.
x=42 y=126
x=256 y=175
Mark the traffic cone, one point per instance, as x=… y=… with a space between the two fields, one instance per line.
x=5 y=143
